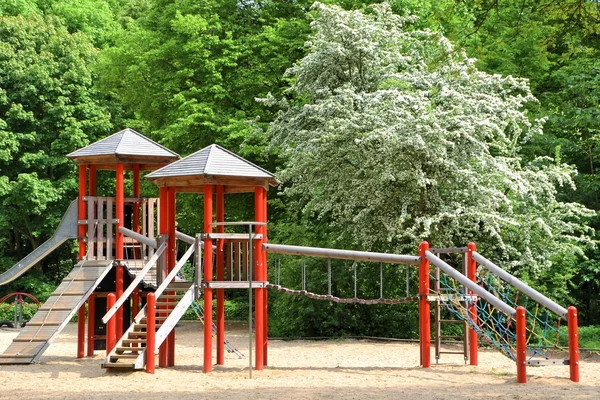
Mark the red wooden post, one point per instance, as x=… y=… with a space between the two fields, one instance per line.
x=521 y=345
x=266 y=276
x=90 y=320
x=111 y=326
x=82 y=252
x=150 y=332
x=220 y=277
x=120 y=204
x=119 y=293
x=259 y=308
x=163 y=229
x=81 y=332
x=171 y=261
x=424 y=313
x=573 y=344
x=208 y=272
x=81 y=210
x=472 y=274
x=136 y=194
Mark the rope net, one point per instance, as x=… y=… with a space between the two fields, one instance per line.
x=544 y=335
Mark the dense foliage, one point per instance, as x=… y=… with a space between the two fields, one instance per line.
x=390 y=132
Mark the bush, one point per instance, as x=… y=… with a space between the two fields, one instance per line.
x=589 y=337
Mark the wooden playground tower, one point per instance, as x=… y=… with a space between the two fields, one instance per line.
x=213 y=171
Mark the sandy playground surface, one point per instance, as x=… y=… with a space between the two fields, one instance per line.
x=348 y=369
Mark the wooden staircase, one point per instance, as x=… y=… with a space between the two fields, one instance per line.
x=130 y=351
x=56 y=312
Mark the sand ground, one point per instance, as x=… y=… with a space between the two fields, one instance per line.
x=347 y=369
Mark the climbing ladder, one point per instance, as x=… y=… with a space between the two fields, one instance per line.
x=56 y=312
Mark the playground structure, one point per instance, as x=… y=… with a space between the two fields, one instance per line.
x=128 y=266
x=22 y=304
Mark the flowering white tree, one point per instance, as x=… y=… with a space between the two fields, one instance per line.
x=394 y=137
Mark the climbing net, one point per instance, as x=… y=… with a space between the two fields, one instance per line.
x=544 y=335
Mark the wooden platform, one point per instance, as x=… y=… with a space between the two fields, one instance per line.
x=56 y=312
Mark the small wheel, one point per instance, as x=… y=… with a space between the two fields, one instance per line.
x=7 y=324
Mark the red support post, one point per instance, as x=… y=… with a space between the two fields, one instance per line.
x=81 y=332
x=472 y=275
x=424 y=312
x=136 y=194
x=171 y=261
x=119 y=292
x=120 y=204
x=163 y=230
x=150 y=332
x=259 y=308
x=220 y=277
x=208 y=273
x=521 y=345
x=81 y=209
x=266 y=276
x=573 y=344
x=90 y=320
x=111 y=325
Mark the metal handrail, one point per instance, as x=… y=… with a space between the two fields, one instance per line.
x=140 y=238
x=481 y=292
x=134 y=284
x=520 y=285
x=174 y=271
x=341 y=254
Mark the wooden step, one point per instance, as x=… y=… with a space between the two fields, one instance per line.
x=185 y=285
x=46 y=317
x=127 y=348
x=64 y=302
x=74 y=287
x=118 y=365
x=134 y=341
x=170 y=296
x=114 y=357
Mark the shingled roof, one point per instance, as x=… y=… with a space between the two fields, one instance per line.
x=128 y=147
x=213 y=165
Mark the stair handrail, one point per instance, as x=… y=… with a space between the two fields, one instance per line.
x=174 y=271
x=480 y=291
x=520 y=285
x=134 y=283
x=139 y=237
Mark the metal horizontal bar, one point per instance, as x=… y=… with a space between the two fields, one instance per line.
x=185 y=238
x=450 y=250
x=234 y=285
x=520 y=285
x=484 y=294
x=548 y=362
x=239 y=223
x=341 y=254
x=100 y=221
x=451 y=352
x=237 y=236
x=140 y=238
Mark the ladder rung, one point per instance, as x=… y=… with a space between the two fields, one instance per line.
x=115 y=357
x=455 y=321
x=452 y=352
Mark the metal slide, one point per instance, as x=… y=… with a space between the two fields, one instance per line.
x=56 y=312
x=67 y=229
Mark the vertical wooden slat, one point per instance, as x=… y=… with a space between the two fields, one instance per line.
x=145 y=204
x=90 y=230
x=109 y=228
x=100 y=231
x=244 y=254
x=151 y=226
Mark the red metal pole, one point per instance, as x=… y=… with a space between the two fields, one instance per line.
x=573 y=344
x=136 y=194
x=150 y=332
x=424 y=312
x=208 y=272
x=521 y=345
x=259 y=308
x=163 y=229
x=82 y=251
x=81 y=332
x=472 y=275
x=120 y=210
x=266 y=277
x=119 y=293
x=220 y=277
x=111 y=326
x=90 y=320
x=81 y=209
x=171 y=261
